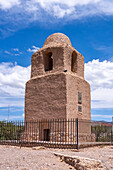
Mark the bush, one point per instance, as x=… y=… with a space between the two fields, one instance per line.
x=10 y=130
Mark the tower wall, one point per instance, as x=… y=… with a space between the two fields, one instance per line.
x=77 y=63
x=39 y=59
x=75 y=84
x=46 y=97
x=57 y=89
x=57 y=76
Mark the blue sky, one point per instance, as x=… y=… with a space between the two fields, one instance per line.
x=25 y=25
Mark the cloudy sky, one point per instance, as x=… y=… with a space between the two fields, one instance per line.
x=25 y=25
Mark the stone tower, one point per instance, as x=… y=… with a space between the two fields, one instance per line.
x=57 y=88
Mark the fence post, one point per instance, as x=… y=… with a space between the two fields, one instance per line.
x=111 y=132
x=77 y=134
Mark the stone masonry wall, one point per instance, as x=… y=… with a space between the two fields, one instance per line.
x=46 y=97
x=76 y=84
x=52 y=91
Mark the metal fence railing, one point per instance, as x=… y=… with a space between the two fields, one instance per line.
x=60 y=132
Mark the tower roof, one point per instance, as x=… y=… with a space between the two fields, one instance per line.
x=57 y=38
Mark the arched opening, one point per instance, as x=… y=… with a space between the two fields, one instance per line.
x=74 y=62
x=48 y=62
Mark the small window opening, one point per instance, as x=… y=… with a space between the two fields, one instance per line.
x=46 y=134
x=48 y=62
x=79 y=97
x=74 y=62
x=80 y=108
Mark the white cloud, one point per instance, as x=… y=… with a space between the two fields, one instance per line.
x=13 y=52
x=101 y=116
x=7 y=4
x=22 y=13
x=60 y=12
x=69 y=3
x=100 y=76
x=12 y=84
x=7 y=52
x=34 y=49
x=76 y=9
x=16 y=49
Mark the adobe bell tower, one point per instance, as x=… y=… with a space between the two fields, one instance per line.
x=57 y=88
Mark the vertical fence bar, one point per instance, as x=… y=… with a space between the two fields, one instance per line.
x=39 y=131
x=26 y=134
x=34 y=127
x=111 y=133
x=60 y=129
x=30 y=133
x=36 y=131
x=15 y=132
x=77 y=134
x=32 y=130
x=68 y=131
x=3 y=132
x=27 y=131
x=51 y=131
x=2 y=125
x=41 y=128
x=12 y=131
x=0 y=130
x=20 y=132
x=48 y=134
x=28 y=138
x=53 y=137
x=63 y=132
x=9 y=137
x=99 y=133
x=73 y=131
x=55 y=131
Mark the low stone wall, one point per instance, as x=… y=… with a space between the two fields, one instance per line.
x=81 y=163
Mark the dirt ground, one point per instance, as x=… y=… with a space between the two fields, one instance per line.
x=14 y=158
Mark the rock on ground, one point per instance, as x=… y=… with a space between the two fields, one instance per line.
x=40 y=158
x=81 y=163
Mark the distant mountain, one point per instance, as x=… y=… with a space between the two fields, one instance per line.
x=101 y=121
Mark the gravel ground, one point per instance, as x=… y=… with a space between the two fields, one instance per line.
x=12 y=157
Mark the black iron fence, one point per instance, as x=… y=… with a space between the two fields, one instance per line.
x=60 y=132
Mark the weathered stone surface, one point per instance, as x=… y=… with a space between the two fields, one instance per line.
x=57 y=75
x=54 y=94
x=81 y=163
x=57 y=38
